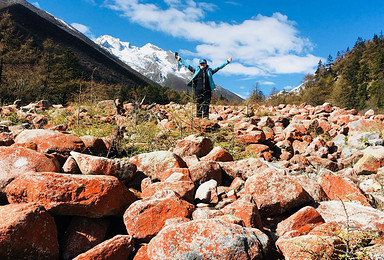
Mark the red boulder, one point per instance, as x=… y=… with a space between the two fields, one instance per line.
x=337 y=187
x=117 y=248
x=27 y=231
x=193 y=145
x=15 y=160
x=146 y=217
x=303 y=220
x=275 y=193
x=94 y=165
x=68 y=194
x=51 y=141
x=208 y=239
x=154 y=164
x=82 y=234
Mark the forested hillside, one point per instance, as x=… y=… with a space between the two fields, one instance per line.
x=34 y=67
x=355 y=79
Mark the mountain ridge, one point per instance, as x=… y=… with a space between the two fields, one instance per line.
x=43 y=25
x=155 y=63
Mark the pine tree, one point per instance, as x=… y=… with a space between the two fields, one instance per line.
x=257 y=96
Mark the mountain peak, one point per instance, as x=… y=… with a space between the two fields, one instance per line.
x=149 y=60
x=110 y=42
x=153 y=62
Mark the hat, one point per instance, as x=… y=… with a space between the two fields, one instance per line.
x=202 y=61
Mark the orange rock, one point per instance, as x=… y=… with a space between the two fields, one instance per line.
x=145 y=183
x=146 y=217
x=208 y=239
x=117 y=248
x=368 y=164
x=175 y=221
x=142 y=253
x=229 y=218
x=243 y=168
x=299 y=118
x=265 y=121
x=27 y=231
x=185 y=189
x=193 y=145
x=154 y=164
x=299 y=159
x=94 y=145
x=182 y=173
x=299 y=147
x=269 y=134
x=245 y=210
x=275 y=193
x=257 y=148
x=322 y=162
x=68 y=194
x=285 y=155
x=189 y=160
x=82 y=234
x=205 y=170
x=310 y=247
x=206 y=213
x=6 y=139
x=70 y=166
x=325 y=125
x=294 y=131
x=303 y=220
x=218 y=154
x=337 y=187
x=94 y=165
x=252 y=137
x=50 y=141
x=312 y=187
x=237 y=184
x=352 y=214
x=15 y=160
x=326 y=229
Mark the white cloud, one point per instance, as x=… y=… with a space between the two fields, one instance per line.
x=36 y=4
x=83 y=29
x=233 y=3
x=260 y=45
x=268 y=83
x=291 y=63
x=90 y=1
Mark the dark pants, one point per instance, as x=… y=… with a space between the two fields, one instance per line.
x=203 y=98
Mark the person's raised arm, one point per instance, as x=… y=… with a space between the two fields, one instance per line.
x=222 y=65
x=184 y=63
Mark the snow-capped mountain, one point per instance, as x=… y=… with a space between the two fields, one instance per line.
x=40 y=25
x=297 y=89
x=150 y=60
x=155 y=63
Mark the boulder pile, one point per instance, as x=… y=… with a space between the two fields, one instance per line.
x=310 y=185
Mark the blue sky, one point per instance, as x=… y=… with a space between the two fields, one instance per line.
x=274 y=44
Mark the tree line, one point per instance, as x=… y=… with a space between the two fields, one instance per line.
x=31 y=71
x=354 y=79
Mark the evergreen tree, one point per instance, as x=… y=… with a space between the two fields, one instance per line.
x=329 y=63
x=256 y=96
x=320 y=69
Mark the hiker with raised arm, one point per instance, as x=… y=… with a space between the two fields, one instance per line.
x=202 y=83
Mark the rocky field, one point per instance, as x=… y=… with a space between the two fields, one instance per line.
x=285 y=182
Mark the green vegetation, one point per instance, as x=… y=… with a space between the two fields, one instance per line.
x=31 y=71
x=354 y=80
